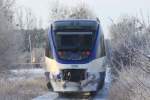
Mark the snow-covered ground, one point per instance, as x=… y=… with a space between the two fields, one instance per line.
x=32 y=73
x=102 y=95
x=28 y=71
x=22 y=84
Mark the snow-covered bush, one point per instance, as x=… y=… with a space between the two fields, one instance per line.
x=130 y=39
x=130 y=47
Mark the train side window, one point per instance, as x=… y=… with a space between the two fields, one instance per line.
x=48 y=49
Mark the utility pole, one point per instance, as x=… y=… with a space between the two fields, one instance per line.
x=30 y=47
x=83 y=3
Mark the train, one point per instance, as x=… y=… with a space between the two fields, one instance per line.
x=75 y=56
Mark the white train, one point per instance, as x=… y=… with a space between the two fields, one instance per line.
x=75 y=56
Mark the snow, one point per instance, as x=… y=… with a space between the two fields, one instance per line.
x=29 y=71
x=21 y=74
x=102 y=95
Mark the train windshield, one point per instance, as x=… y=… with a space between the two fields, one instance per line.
x=74 y=45
x=74 y=41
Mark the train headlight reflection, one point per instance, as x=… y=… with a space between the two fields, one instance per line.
x=91 y=76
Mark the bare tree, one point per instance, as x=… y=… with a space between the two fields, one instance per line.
x=59 y=11
x=32 y=36
x=19 y=19
x=81 y=12
x=132 y=36
x=130 y=47
x=8 y=46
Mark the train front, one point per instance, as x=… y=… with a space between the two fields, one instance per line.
x=77 y=56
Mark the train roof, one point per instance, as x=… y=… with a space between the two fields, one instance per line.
x=70 y=20
x=71 y=24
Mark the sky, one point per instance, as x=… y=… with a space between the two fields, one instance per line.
x=104 y=9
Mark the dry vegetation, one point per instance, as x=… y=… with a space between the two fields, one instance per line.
x=131 y=66
x=22 y=89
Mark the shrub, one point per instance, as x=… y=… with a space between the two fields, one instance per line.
x=130 y=47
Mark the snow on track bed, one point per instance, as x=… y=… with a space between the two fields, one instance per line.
x=102 y=95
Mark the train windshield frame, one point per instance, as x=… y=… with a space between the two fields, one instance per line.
x=74 y=38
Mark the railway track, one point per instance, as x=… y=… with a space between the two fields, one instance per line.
x=101 y=95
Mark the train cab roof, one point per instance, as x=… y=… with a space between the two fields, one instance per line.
x=75 y=23
x=70 y=20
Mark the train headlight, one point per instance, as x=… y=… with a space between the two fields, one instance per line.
x=56 y=76
x=59 y=76
x=86 y=53
x=91 y=76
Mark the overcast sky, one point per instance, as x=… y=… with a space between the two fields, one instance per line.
x=105 y=9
